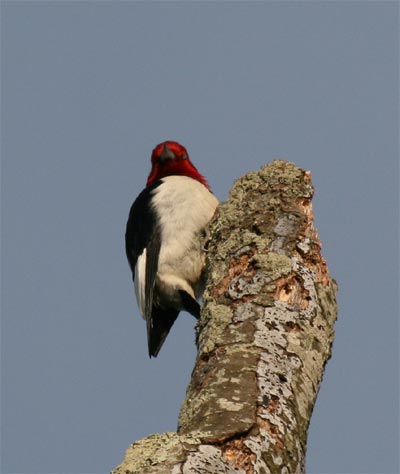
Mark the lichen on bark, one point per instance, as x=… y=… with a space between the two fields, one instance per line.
x=263 y=339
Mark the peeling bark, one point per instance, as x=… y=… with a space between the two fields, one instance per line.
x=264 y=337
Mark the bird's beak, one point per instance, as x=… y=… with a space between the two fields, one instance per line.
x=167 y=155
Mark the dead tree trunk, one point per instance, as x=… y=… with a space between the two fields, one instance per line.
x=264 y=337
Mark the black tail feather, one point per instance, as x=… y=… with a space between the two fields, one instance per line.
x=159 y=327
x=190 y=304
x=161 y=321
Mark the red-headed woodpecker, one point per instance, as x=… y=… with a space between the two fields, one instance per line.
x=163 y=240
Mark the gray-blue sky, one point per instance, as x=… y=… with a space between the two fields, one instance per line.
x=88 y=88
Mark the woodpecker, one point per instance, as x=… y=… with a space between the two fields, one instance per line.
x=162 y=240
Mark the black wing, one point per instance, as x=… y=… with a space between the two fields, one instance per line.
x=141 y=226
x=142 y=232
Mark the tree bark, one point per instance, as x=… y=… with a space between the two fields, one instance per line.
x=264 y=337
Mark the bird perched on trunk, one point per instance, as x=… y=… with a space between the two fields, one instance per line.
x=163 y=240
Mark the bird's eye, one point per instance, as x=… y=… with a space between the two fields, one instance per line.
x=184 y=157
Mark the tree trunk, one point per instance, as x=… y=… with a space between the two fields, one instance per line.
x=264 y=337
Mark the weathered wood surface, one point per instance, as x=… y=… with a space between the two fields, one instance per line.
x=264 y=337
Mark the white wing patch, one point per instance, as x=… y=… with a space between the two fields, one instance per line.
x=140 y=281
